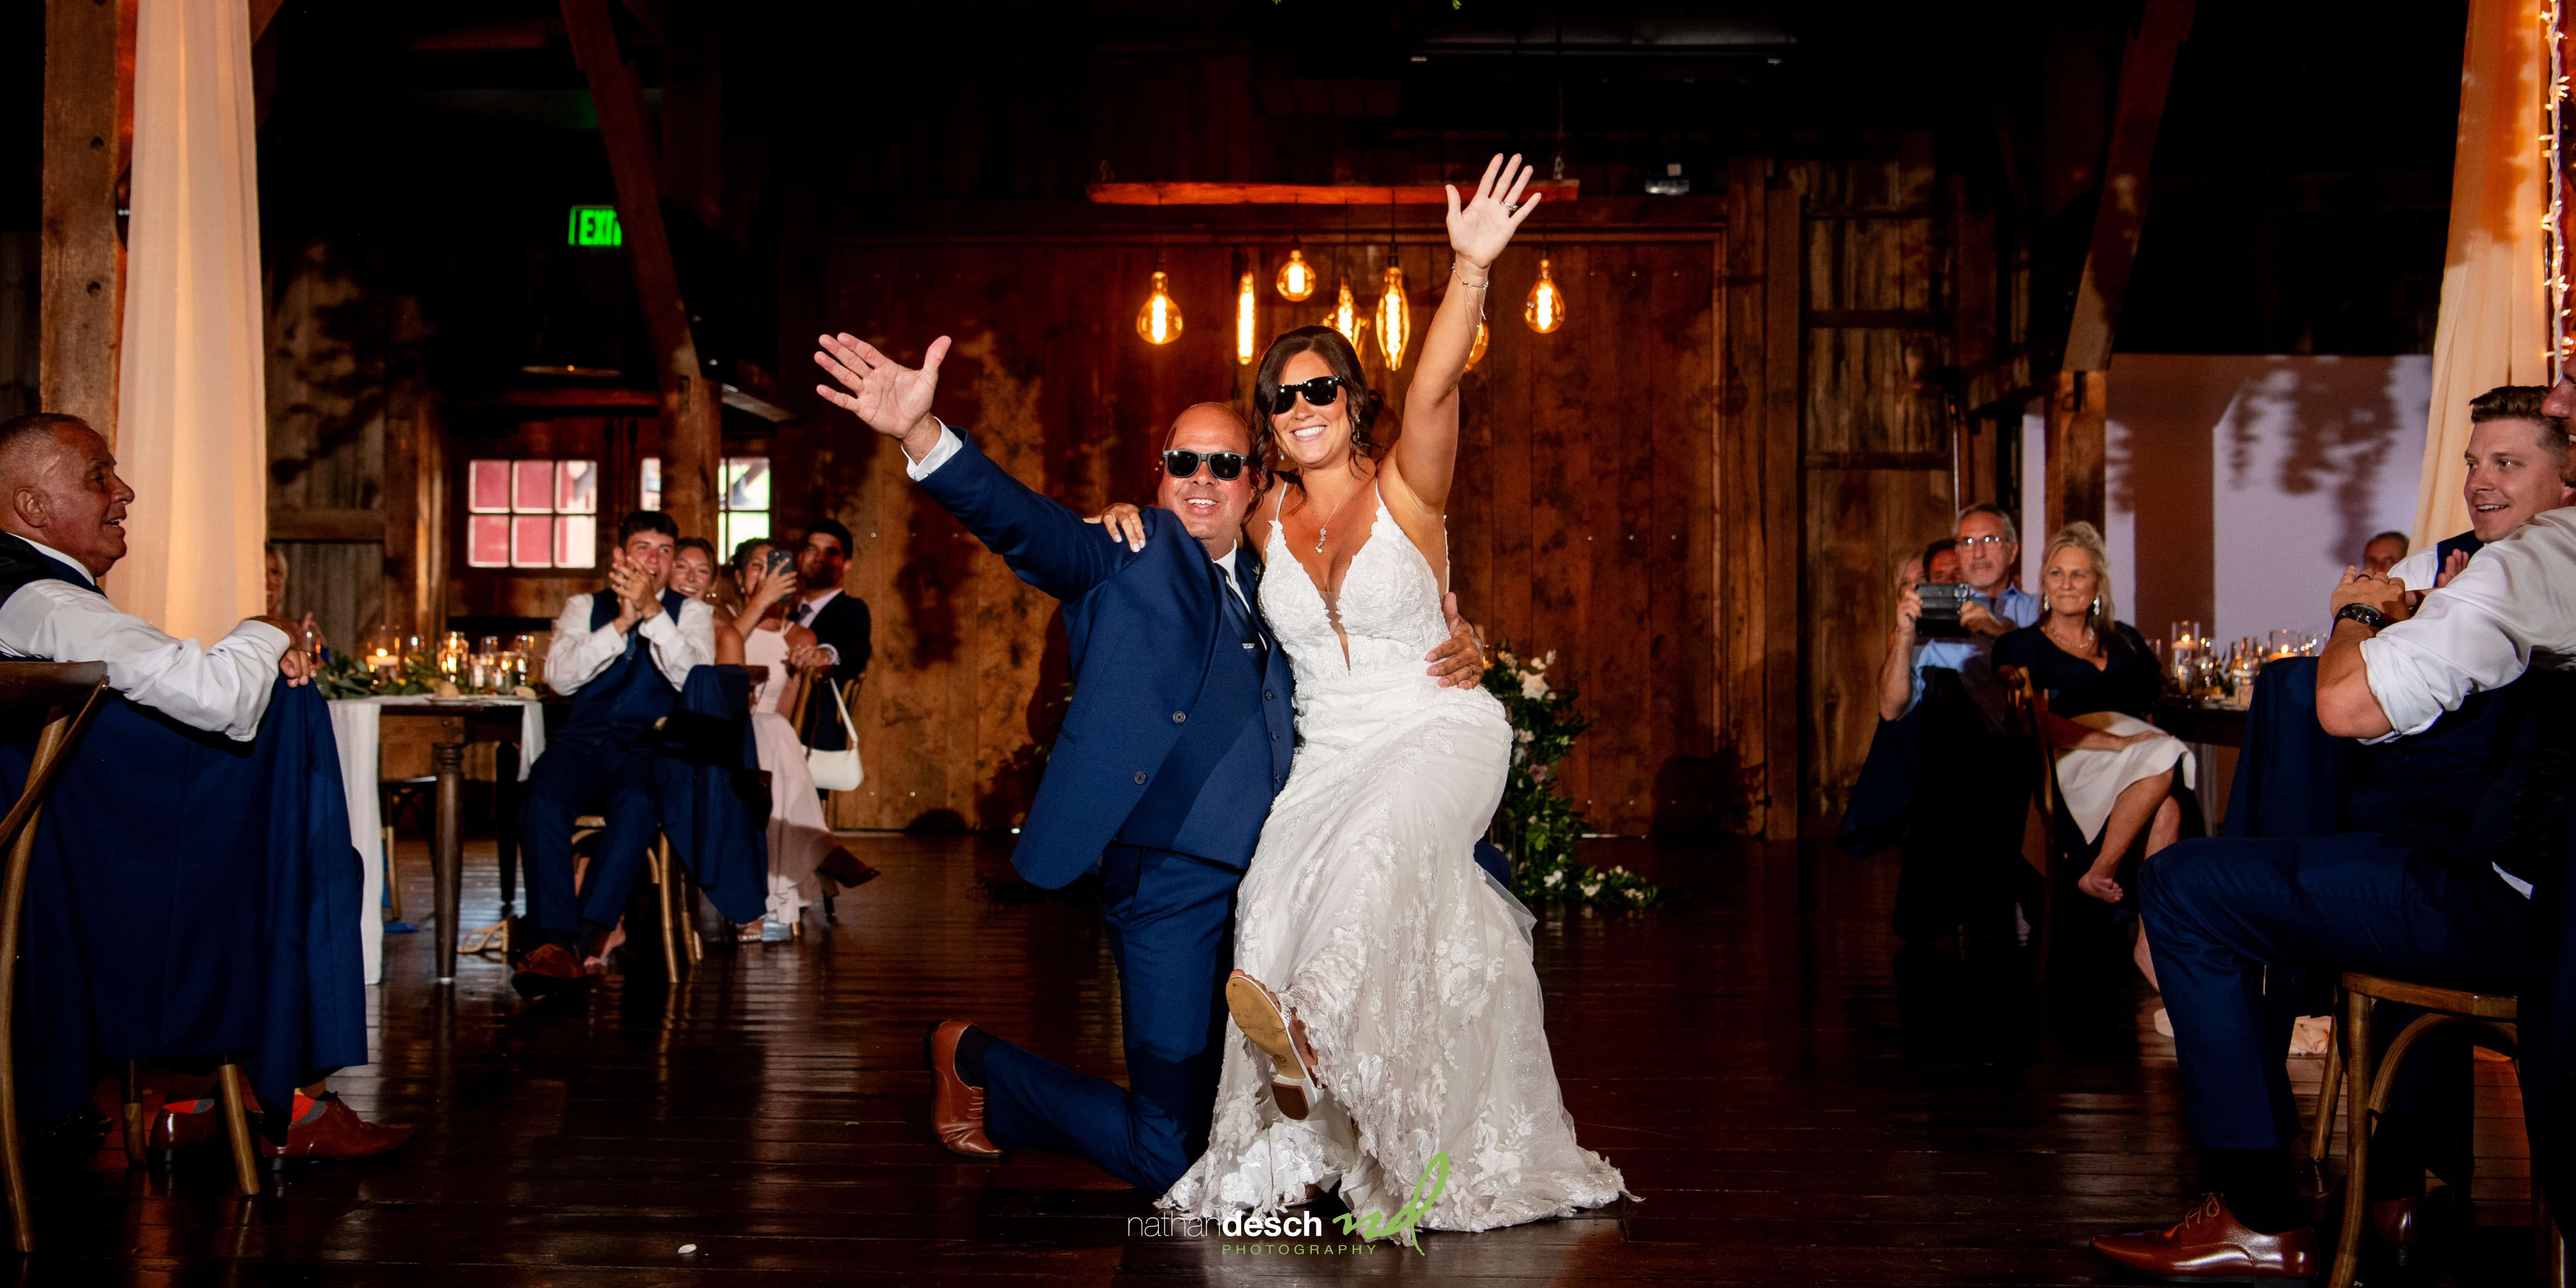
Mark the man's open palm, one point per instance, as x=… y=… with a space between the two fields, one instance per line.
x=890 y=397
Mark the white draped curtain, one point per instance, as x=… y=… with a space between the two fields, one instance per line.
x=192 y=434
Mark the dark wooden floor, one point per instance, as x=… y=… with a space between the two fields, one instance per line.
x=1795 y=1102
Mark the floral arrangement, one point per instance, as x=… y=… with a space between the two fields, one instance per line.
x=1536 y=826
x=342 y=677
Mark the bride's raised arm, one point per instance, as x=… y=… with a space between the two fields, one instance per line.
x=1426 y=453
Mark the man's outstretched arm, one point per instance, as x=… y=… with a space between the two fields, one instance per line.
x=1043 y=542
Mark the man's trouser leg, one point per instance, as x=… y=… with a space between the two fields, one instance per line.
x=1171 y=930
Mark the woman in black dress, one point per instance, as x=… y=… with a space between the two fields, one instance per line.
x=2114 y=770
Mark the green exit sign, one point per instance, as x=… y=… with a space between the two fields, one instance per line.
x=594 y=226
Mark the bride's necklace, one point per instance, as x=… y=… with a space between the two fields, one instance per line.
x=2084 y=650
x=1325 y=529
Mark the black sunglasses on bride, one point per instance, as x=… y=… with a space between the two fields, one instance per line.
x=1226 y=466
x=1320 y=392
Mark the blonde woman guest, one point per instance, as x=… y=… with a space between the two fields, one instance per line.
x=2115 y=771
x=760 y=636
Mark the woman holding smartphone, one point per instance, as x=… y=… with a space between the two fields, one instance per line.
x=780 y=655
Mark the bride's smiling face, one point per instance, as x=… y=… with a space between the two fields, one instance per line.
x=1310 y=436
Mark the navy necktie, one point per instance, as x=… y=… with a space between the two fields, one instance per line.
x=1238 y=619
x=802 y=612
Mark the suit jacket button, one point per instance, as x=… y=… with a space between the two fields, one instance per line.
x=1269 y=696
x=1179 y=716
x=1274 y=735
x=1140 y=778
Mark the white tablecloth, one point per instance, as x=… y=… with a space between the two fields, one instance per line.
x=357 y=724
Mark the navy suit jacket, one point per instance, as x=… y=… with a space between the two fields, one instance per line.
x=1144 y=629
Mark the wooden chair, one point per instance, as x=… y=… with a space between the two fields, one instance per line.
x=678 y=900
x=67 y=697
x=2492 y=1021
x=2026 y=706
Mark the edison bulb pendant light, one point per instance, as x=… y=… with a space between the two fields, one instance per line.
x=1394 y=324
x=1346 y=315
x=1296 y=277
x=1159 y=322
x=1476 y=351
x=1243 y=321
x=1546 y=308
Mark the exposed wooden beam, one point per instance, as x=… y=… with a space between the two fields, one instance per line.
x=2145 y=74
x=1784 y=348
x=1293 y=194
x=692 y=410
x=88 y=119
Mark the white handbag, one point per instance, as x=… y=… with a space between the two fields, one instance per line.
x=837 y=771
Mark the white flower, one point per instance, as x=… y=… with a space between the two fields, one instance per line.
x=1533 y=686
x=1616 y=868
x=1636 y=894
x=1554 y=877
x=1524 y=737
x=1509 y=662
x=1592 y=889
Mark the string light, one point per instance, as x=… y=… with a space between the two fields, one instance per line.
x=1394 y=323
x=2555 y=226
x=1296 y=277
x=1159 y=322
x=1545 y=311
x=1345 y=317
x=1243 y=322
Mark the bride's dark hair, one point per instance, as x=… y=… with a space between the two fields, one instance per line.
x=1337 y=354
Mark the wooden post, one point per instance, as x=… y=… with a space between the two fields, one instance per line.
x=2078 y=484
x=692 y=407
x=88 y=118
x=415 y=463
x=1783 y=486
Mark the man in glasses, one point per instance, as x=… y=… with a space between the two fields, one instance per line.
x=1179 y=734
x=1962 y=852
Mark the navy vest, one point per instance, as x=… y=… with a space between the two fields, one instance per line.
x=2465 y=543
x=1227 y=737
x=21 y=563
x=2488 y=780
x=623 y=702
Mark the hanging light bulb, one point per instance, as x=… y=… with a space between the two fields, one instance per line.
x=1243 y=322
x=1346 y=315
x=1394 y=324
x=1545 y=311
x=1476 y=351
x=1160 y=320
x=1296 y=277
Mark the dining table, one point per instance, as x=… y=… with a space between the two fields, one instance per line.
x=516 y=727
x=2214 y=730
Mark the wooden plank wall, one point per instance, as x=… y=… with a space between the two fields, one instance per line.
x=1878 y=438
x=1584 y=522
x=327 y=339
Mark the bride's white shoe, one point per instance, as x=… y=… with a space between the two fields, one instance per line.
x=1257 y=1012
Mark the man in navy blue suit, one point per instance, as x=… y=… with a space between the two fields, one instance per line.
x=1171 y=752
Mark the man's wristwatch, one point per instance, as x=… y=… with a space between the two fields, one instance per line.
x=2364 y=614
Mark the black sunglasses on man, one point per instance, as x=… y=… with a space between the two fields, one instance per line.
x=1182 y=463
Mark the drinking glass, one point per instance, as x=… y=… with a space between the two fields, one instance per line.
x=2285 y=642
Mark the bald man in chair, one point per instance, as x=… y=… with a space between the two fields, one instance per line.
x=243 y=940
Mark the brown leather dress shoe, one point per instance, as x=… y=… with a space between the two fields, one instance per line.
x=185 y=1124
x=329 y=1128
x=547 y=969
x=846 y=869
x=2210 y=1246
x=956 y=1110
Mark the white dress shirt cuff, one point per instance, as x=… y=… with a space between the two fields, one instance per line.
x=949 y=444
x=264 y=633
x=830 y=652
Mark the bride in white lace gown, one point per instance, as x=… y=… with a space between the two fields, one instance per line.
x=1363 y=924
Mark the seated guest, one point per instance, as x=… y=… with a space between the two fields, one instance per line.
x=244 y=940
x=693 y=568
x=839 y=622
x=2382 y=552
x=623 y=654
x=1961 y=870
x=2115 y=771
x=2517 y=459
x=1883 y=796
x=782 y=657
x=2481 y=911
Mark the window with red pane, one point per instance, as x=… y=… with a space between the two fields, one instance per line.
x=531 y=514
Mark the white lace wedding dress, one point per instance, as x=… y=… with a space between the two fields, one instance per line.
x=1364 y=909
